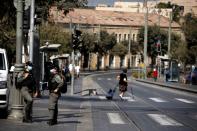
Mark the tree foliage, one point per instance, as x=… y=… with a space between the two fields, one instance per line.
x=175 y=9
x=119 y=50
x=57 y=35
x=189 y=28
x=155 y=34
x=105 y=43
x=8 y=19
x=88 y=42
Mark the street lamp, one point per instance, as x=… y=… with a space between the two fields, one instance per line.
x=17 y=101
x=73 y=57
x=145 y=36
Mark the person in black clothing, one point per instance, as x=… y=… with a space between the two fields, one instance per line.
x=27 y=83
x=122 y=83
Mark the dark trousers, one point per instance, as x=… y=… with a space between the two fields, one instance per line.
x=53 y=106
x=28 y=102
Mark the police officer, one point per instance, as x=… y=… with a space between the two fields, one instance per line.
x=27 y=83
x=55 y=83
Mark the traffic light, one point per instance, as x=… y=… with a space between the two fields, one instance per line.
x=38 y=15
x=26 y=20
x=76 y=40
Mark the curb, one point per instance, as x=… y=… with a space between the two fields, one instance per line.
x=169 y=86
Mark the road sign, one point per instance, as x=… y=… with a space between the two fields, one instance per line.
x=27 y=4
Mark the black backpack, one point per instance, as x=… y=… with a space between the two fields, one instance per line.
x=63 y=89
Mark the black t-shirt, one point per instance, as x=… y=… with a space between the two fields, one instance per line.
x=122 y=77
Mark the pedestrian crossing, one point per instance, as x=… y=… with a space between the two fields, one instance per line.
x=154 y=99
x=161 y=119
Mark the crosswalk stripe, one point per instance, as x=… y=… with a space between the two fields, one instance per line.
x=115 y=118
x=102 y=97
x=184 y=100
x=164 y=120
x=128 y=98
x=157 y=99
x=108 y=79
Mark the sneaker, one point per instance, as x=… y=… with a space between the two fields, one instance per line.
x=121 y=97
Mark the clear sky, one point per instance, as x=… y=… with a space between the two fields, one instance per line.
x=108 y=2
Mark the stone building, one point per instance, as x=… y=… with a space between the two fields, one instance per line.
x=123 y=24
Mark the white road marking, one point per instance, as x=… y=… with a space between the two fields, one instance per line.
x=108 y=79
x=115 y=118
x=46 y=109
x=157 y=99
x=102 y=97
x=164 y=120
x=184 y=100
x=128 y=98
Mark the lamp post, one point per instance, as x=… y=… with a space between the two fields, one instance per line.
x=169 y=34
x=17 y=102
x=129 y=63
x=31 y=31
x=73 y=59
x=145 y=37
x=169 y=44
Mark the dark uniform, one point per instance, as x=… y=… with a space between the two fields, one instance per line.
x=27 y=83
x=123 y=83
x=55 y=83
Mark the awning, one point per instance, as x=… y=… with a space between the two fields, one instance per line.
x=50 y=48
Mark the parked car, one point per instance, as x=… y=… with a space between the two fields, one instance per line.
x=4 y=92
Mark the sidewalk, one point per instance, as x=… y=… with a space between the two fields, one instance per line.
x=174 y=85
x=75 y=112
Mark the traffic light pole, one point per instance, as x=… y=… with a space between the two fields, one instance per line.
x=129 y=63
x=169 y=44
x=145 y=37
x=17 y=101
x=73 y=58
x=31 y=31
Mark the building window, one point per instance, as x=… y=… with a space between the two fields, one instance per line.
x=125 y=36
x=116 y=35
x=133 y=37
x=128 y=36
x=119 y=37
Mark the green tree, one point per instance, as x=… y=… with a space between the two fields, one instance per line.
x=190 y=32
x=154 y=35
x=88 y=42
x=175 y=9
x=119 y=50
x=180 y=52
x=55 y=34
x=8 y=20
x=106 y=43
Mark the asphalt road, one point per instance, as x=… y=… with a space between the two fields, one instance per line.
x=153 y=108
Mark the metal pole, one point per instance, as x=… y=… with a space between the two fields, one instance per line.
x=73 y=58
x=31 y=31
x=99 y=38
x=73 y=73
x=17 y=101
x=129 y=66
x=169 y=34
x=169 y=44
x=145 y=38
